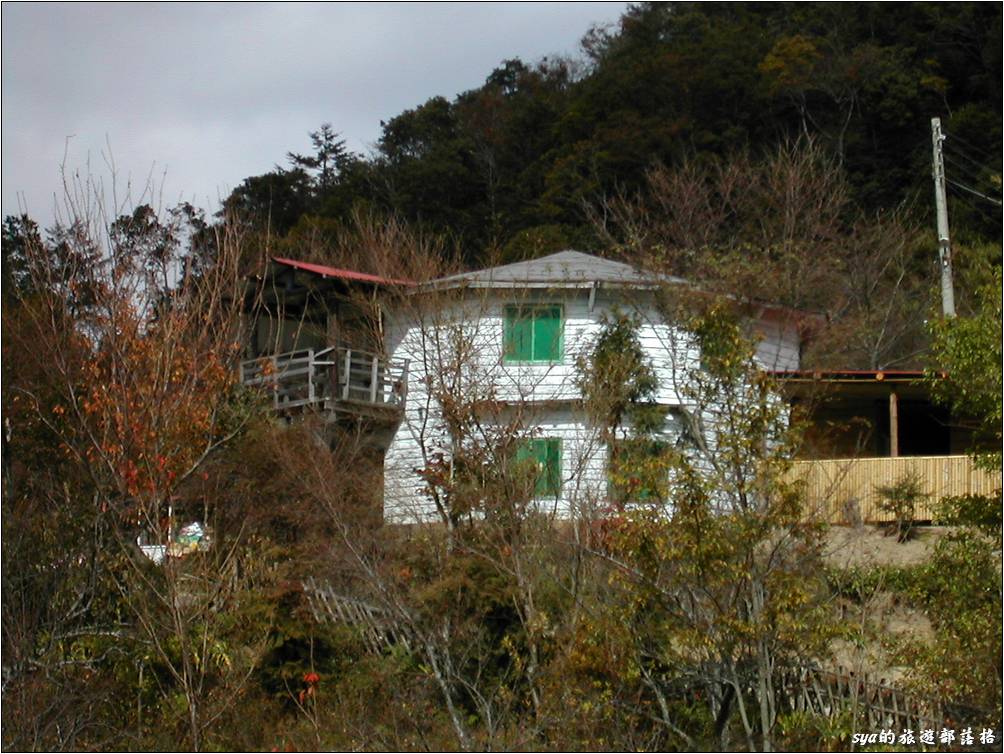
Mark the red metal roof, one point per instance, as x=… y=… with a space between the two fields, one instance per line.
x=335 y=272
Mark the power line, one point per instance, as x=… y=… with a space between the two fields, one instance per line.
x=984 y=158
x=966 y=181
x=974 y=191
x=966 y=172
x=984 y=152
x=978 y=209
x=978 y=166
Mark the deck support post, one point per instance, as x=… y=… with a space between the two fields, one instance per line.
x=310 y=375
x=893 y=425
x=347 y=374
x=275 y=382
x=373 y=379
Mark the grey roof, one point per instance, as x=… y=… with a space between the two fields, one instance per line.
x=563 y=269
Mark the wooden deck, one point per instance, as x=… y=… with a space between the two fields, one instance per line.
x=331 y=378
x=834 y=486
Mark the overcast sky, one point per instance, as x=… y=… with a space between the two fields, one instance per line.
x=201 y=96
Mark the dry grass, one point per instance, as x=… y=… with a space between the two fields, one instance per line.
x=846 y=547
x=885 y=616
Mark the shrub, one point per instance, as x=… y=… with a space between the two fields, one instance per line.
x=900 y=499
x=980 y=511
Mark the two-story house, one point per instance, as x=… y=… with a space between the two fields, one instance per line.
x=510 y=337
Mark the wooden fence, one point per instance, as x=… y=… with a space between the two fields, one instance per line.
x=876 y=705
x=377 y=629
x=840 y=490
x=873 y=703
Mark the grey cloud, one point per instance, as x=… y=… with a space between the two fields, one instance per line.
x=214 y=93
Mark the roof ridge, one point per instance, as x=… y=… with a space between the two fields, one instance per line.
x=561 y=267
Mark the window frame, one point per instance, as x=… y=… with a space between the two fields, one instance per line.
x=511 y=314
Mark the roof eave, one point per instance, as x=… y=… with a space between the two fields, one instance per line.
x=534 y=284
x=333 y=273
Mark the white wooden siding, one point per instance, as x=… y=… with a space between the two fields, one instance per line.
x=456 y=349
x=779 y=344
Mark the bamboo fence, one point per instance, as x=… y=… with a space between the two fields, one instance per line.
x=840 y=491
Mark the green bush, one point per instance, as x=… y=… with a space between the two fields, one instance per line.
x=959 y=589
x=981 y=511
x=900 y=499
x=860 y=583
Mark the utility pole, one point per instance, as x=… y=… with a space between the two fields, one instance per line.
x=941 y=203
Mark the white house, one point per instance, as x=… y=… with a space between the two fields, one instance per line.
x=510 y=336
x=377 y=358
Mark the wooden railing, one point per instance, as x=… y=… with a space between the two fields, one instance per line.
x=305 y=377
x=365 y=377
x=838 y=490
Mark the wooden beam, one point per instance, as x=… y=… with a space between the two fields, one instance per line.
x=893 y=425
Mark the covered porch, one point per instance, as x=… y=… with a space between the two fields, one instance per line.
x=869 y=429
x=314 y=339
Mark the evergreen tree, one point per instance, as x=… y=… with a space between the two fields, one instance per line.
x=329 y=159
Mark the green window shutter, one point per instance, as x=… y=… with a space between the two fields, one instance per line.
x=518 y=333
x=547 y=334
x=533 y=333
x=637 y=470
x=527 y=461
x=524 y=452
x=551 y=477
x=545 y=455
